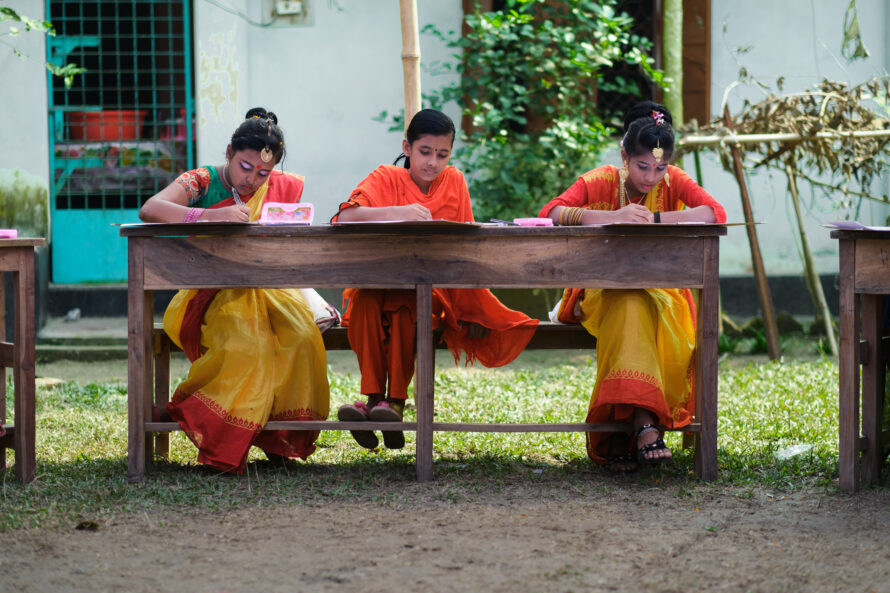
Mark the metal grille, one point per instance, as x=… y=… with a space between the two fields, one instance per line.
x=124 y=130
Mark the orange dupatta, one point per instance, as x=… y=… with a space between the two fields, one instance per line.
x=449 y=199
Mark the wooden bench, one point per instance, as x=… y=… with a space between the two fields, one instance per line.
x=548 y=336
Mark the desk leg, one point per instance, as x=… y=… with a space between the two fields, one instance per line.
x=423 y=386
x=706 y=364
x=139 y=326
x=23 y=371
x=848 y=368
x=872 y=387
x=3 y=393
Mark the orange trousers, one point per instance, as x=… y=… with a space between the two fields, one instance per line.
x=382 y=331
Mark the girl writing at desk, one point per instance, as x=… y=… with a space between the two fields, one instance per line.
x=382 y=323
x=645 y=338
x=256 y=354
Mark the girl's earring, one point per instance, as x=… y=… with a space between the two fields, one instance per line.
x=622 y=177
x=667 y=180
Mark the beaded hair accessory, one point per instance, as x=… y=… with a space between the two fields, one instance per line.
x=658 y=151
x=266 y=154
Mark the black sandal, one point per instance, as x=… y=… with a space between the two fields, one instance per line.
x=656 y=445
x=619 y=455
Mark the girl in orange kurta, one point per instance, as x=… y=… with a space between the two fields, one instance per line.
x=382 y=323
x=256 y=354
x=645 y=338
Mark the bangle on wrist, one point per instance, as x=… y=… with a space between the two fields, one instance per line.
x=193 y=214
x=657 y=216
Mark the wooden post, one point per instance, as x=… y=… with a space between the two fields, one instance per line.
x=766 y=300
x=810 y=273
x=410 y=58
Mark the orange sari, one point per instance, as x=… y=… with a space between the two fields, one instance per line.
x=645 y=338
x=382 y=323
x=256 y=356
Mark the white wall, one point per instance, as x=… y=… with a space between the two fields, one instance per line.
x=23 y=99
x=325 y=81
x=221 y=76
x=800 y=40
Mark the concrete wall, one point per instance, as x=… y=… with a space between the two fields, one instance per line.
x=23 y=99
x=800 y=40
x=325 y=80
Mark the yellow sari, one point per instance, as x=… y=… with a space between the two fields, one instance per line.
x=256 y=355
x=645 y=338
x=644 y=356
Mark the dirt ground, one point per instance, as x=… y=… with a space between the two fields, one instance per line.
x=620 y=538
x=602 y=533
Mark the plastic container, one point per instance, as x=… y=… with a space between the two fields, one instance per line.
x=533 y=221
x=98 y=126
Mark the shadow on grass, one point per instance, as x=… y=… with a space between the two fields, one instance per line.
x=63 y=493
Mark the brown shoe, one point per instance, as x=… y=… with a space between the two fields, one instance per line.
x=389 y=411
x=357 y=412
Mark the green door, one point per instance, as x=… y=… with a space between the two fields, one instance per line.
x=122 y=132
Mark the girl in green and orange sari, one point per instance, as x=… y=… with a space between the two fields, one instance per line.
x=257 y=354
x=645 y=338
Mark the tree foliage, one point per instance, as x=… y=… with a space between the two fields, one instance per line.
x=529 y=79
x=67 y=71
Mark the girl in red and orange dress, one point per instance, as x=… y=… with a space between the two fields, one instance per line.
x=382 y=323
x=645 y=338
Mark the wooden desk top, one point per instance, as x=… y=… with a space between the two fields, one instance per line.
x=402 y=255
x=233 y=229
x=23 y=242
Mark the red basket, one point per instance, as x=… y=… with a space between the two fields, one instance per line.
x=94 y=126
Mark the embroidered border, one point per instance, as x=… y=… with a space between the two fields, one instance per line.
x=618 y=374
x=219 y=411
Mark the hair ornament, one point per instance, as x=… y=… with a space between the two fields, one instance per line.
x=266 y=154
x=658 y=152
x=658 y=117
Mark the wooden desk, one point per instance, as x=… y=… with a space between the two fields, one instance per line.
x=17 y=257
x=419 y=256
x=864 y=277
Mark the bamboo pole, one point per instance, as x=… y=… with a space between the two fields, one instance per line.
x=672 y=50
x=770 y=327
x=731 y=138
x=816 y=293
x=410 y=58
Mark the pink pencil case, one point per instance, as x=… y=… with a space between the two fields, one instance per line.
x=9 y=234
x=533 y=221
x=287 y=213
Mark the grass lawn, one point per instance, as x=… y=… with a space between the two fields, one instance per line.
x=777 y=429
